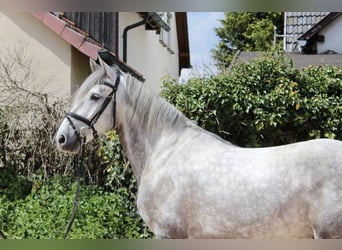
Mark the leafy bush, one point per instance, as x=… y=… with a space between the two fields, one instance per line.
x=266 y=102
x=36 y=187
x=44 y=213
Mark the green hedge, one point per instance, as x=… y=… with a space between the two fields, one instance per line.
x=40 y=208
x=37 y=184
x=266 y=102
x=45 y=212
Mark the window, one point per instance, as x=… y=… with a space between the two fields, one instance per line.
x=165 y=36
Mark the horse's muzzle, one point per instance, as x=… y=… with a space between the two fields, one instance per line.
x=67 y=141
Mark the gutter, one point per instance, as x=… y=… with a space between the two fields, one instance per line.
x=129 y=27
x=111 y=60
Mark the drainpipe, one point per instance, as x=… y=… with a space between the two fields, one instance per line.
x=285 y=32
x=129 y=27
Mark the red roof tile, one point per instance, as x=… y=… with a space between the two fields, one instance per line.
x=53 y=23
x=71 y=36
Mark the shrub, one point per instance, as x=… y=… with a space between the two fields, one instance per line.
x=266 y=102
x=37 y=184
x=44 y=213
x=36 y=181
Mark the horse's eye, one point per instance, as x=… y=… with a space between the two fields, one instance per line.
x=95 y=97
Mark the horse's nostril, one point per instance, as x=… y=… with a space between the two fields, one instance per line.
x=61 y=139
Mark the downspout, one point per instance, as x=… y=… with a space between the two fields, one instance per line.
x=129 y=27
x=285 y=32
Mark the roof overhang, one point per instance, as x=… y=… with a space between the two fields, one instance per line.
x=319 y=26
x=81 y=41
x=183 y=40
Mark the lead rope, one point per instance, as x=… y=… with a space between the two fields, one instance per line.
x=2 y=235
x=78 y=161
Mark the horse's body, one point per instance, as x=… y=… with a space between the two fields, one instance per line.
x=225 y=191
x=192 y=184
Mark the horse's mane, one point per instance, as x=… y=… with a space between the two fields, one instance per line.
x=150 y=110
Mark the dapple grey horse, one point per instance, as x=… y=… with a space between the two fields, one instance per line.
x=193 y=184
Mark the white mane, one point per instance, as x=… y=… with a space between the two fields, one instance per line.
x=148 y=109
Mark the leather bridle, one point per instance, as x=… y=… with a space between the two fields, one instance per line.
x=91 y=122
x=82 y=139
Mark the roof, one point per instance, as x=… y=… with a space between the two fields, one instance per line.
x=299 y=60
x=69 y=33
x=298 y=23
x=325 y=21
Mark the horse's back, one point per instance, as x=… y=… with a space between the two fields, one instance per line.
x=309 y=175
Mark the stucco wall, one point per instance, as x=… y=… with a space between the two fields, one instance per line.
x=145 y=53
x=80 y=68
x=333 y=37
x=50 y=54
x=60 y=68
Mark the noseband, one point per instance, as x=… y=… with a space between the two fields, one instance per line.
x=91 y=122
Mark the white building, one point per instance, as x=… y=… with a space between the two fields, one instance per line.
x=313 y=32
x=61 y=43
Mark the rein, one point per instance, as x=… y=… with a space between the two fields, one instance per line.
x=2 y=235
x=90 y=123
x=78 y=161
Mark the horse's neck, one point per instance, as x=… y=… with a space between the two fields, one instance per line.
x=132 y=142
x=137 y=139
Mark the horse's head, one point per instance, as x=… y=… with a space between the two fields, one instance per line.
x=93 y=109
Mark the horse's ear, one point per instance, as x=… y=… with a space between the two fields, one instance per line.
x=109 y=71
x=93 y=64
